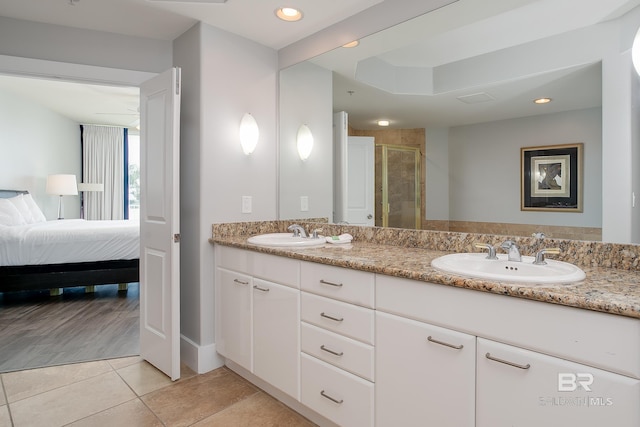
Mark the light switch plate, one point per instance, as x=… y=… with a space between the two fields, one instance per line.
x=304 y=203
x=246 y=204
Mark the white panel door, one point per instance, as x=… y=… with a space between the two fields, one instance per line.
x=360 y=180
x=160 y=222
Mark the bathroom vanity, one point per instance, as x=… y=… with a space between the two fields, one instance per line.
x=370 y=334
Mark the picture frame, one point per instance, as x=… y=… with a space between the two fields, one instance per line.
x=551 y=178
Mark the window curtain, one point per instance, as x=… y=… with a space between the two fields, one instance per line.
x=103 y=156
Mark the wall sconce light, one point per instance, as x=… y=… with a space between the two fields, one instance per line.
x=249 y=133
x=304 y=142
x=62 y=185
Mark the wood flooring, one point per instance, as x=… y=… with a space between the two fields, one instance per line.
x=38 y=330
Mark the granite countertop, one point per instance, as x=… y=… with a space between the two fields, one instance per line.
x=607 y=290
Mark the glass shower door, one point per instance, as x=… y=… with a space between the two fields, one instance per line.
x=397 y=186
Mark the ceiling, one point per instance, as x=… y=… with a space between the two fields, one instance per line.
x=434 y=43
x=420 y=73
x=165 y=20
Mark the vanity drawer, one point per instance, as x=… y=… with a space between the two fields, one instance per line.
x=343 y=398
x=343 y=352
x=233 y=259
x=277 y=269
x=345 y=319
x=340 y=283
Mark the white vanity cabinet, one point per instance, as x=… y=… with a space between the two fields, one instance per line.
x=425 y=374
x=517 y=387
x=234 y=316
x=533 y=359
x=337 y=360
x=276 y=328
x=258 y=315
x=365 y=349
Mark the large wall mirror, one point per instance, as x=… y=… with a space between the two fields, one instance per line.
x=465 y=77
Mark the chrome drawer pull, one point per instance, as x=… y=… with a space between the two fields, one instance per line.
x=324 y=282
x=335 y=353
x=260 y=289
x=326 y=316
x=506 y=362
x=325 y=395
x=457 y=347
x=240 y=282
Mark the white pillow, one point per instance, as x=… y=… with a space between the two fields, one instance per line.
x=9 y=214
x=21 y=205
x=36 y=213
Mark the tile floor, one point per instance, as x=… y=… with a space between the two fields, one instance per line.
x=131 y=392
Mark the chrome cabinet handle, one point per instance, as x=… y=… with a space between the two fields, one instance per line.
x=326 y=316
x=260 y=289
x=335 y=353
x=457 y=347
x=326 y=396
x=506 y=362
x=324 y=282
x=240 y=282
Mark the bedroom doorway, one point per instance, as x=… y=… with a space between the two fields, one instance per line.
x=75 y=302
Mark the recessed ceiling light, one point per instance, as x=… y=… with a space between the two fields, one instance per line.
x=542 y=100
x=383 y=122
x=289 y=14
x=352 y=44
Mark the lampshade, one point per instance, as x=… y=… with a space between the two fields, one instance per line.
x=86 y=186
x=304 y=142
x=249 y=133
x=62 y=185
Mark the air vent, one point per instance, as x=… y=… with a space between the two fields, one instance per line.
x=476 y=98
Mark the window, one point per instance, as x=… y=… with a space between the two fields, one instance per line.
x=133 y=153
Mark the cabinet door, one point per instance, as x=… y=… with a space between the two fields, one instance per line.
x=276 y=335
x=233 y=316
x=425 y=375
x=522 y=388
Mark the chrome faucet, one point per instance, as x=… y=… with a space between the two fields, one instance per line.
x=512 y=250
x=298 y=230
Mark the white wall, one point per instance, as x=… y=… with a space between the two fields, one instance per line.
x=484 y=167
x=306 y=98
x=224 y=76
x=437 y=174
x=187 y=57
x=76 y=46
x=36 y=142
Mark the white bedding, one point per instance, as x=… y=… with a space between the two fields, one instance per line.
x=69 y=241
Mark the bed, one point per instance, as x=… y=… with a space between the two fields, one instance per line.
x=37 y=254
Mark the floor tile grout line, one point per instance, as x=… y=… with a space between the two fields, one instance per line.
x=60 y=387
x=104 y=410
x=139 y=397
x=6 y=400
x=55 y=388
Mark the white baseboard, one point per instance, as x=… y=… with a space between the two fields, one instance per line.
x=200 y=358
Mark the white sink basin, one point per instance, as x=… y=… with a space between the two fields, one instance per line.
x=285 y=240
x=476 y=265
